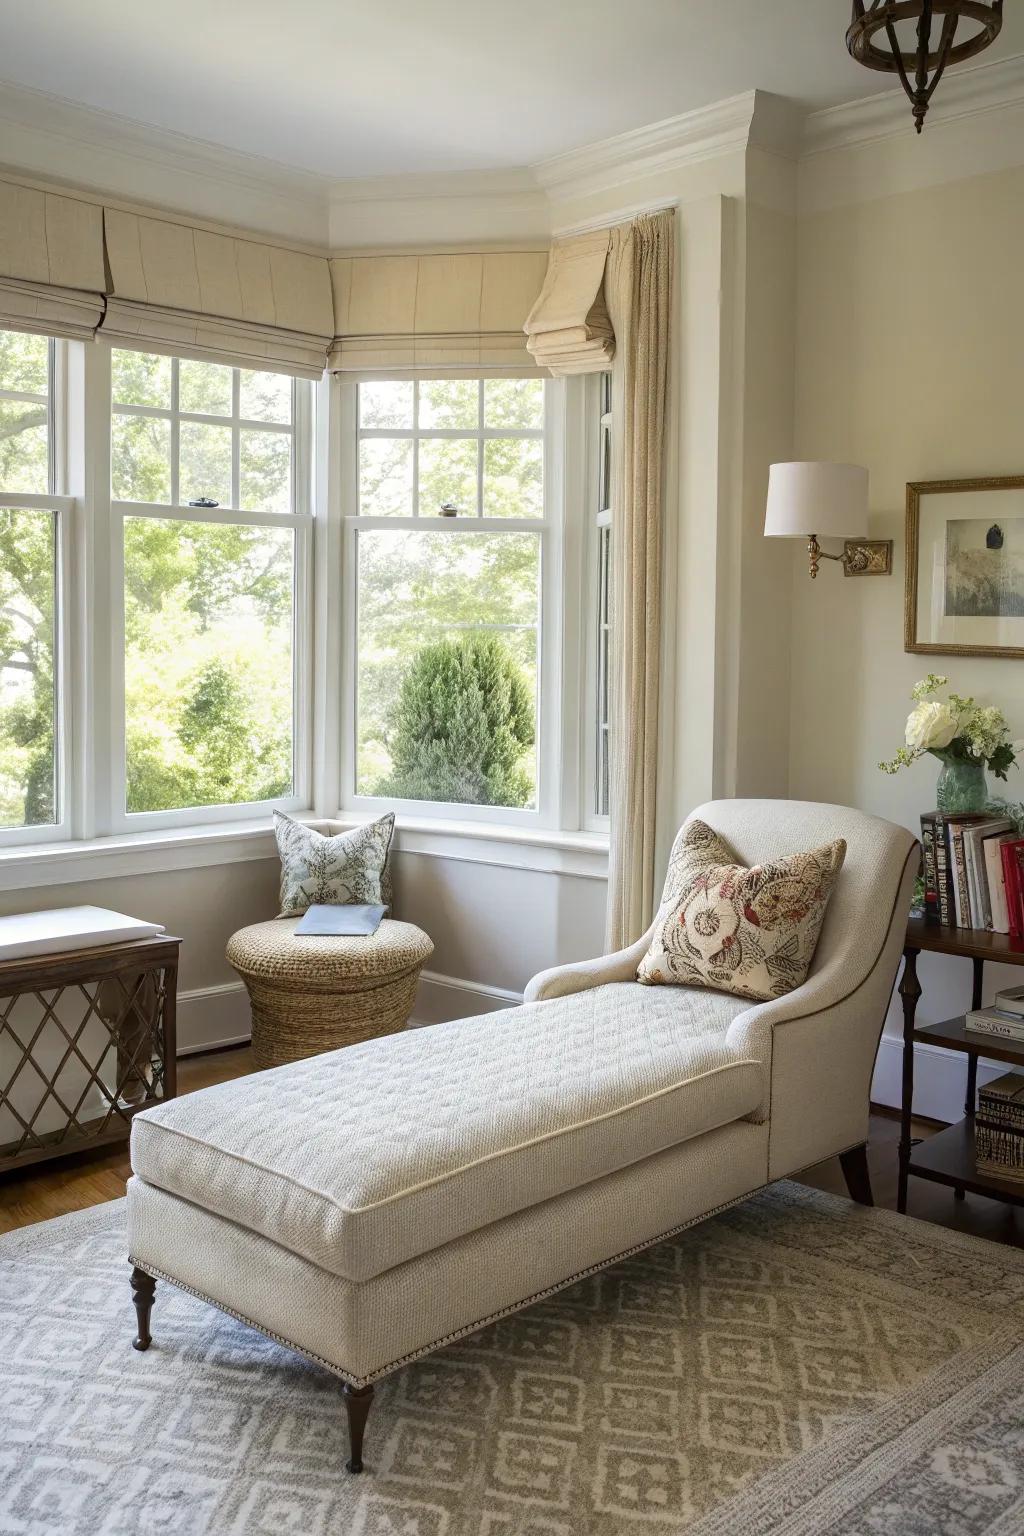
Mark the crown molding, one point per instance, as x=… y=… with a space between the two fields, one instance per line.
x=963 y=93
x=84 y=147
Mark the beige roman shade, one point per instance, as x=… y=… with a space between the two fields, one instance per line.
x=461 y=310
x=568 y=329
x=183 y=290
x=51 y=262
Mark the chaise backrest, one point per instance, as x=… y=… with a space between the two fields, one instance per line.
x=821 y=1039
x=861 y=908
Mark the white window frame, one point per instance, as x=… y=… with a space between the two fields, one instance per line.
x=597 y=578
x=547 y=530
x=109 y=517
x=65 y=510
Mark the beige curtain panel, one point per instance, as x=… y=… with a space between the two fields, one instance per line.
x=457 y=310
x=178 y=289
x=638 y=287
x=51 y=262
x=569 y=329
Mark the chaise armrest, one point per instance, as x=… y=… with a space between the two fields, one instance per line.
x=581 y=975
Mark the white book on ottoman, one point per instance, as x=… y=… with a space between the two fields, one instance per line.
x=68 y=928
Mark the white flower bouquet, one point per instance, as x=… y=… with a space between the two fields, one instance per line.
x=955 y=730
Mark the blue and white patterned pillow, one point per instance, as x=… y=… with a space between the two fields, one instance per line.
x=350 y=867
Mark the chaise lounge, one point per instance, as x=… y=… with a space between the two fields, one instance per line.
x=368 y=1206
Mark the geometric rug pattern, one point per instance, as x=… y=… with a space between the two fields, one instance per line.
x=795 y=1365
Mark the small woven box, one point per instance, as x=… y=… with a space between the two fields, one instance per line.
x=999 y=1127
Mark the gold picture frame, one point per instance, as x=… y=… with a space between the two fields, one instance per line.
x=965 y=567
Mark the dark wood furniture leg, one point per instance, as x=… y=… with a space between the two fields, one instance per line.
x=143 y=1286
x=971 y=1098
x=357 y=1406
x=910 y=991
x=854 y=1163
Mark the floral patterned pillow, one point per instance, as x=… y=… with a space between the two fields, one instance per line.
x=350 y=867
x=748 y=931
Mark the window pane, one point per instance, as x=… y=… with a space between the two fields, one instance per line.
x=204 y=387
x=448 y=475
x=27 y=647
x=24 y=362
x=385 y=477
x=265 y=397
x=265 y=471
x=140 y=378
x=514 y=477
x=514 y=403
x=204 y=463
x=24 y=446
x=208 y=663
x=386 y=403
x=140 y=458
x=447 y=666
x=452 y=403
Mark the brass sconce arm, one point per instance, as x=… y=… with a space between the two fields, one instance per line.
x=860 y=557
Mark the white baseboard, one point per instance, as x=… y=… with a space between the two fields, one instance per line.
x=441 y=998
x=940 y=1078
x=212 y=1017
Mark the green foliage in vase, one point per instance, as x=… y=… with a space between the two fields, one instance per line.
x=462 y=722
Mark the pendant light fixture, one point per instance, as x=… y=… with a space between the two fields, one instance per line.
x=961 y=28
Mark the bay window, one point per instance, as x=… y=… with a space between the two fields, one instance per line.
x=160 y=614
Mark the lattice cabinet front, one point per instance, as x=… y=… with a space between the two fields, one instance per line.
x=86 y=1040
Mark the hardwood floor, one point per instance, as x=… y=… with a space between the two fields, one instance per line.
x=87 y=1179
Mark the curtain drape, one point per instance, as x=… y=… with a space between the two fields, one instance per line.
x=638 y=286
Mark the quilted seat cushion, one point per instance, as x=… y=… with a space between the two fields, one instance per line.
x=365 y=1157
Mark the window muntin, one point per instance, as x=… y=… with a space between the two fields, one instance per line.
x=29 y=587
x=475 y=445
x=185 y=431
x=447 y=638
x=213 y=659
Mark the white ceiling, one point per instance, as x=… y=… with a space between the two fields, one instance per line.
x=350 y=88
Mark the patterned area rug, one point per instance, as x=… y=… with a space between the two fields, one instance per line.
x=796 y=1365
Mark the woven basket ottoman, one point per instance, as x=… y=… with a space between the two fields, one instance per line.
x=318 y=993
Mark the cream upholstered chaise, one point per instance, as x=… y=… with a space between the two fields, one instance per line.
x=370 y=1205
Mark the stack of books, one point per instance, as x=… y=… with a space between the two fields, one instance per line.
x=1004 y=1019
x=973 y=871
x=999 y=1127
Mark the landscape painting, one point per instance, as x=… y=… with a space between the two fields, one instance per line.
x=984 y=568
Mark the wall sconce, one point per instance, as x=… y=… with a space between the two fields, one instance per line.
x=811 y=500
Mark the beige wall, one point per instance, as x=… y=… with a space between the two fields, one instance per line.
x=910 y=360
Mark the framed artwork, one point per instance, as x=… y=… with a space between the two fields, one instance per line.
x=965 y=567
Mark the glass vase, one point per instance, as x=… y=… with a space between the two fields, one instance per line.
x=962 y=786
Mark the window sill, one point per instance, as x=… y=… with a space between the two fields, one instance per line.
x=27 y=866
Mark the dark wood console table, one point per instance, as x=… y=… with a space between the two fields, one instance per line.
x=948 y=1157
x=87 y=1039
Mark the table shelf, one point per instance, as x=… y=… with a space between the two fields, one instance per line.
x=955 y=1036
x=949 y=1157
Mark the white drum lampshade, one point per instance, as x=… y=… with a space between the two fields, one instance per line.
x=812 y=500
x=829 y=500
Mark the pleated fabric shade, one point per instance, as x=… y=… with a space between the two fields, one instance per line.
x=451 y=310
x=51 y=262
x=568 y=330
x=179 y=289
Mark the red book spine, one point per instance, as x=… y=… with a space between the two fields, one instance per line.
x=1011 y=879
